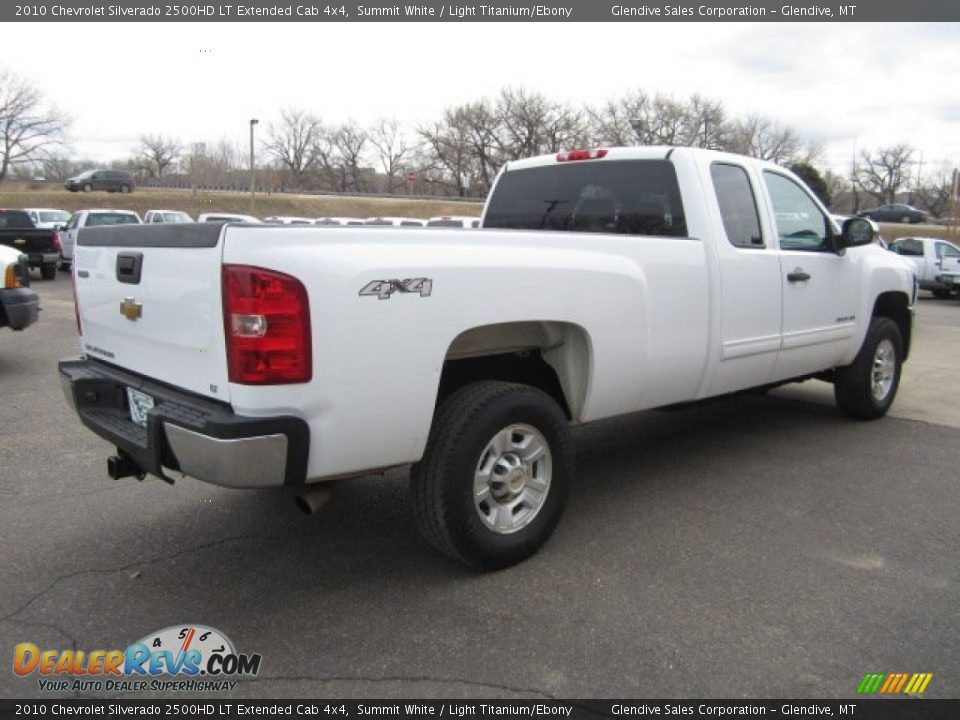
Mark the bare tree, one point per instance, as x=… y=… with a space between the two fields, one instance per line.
x=158 y=153
x=294 y=141
x=447 y=146
x=531 y=124
x=933 y=194
x=349 y=141
x=767 y=139
x=29 y=129
x=884 y=172
x=391 y=148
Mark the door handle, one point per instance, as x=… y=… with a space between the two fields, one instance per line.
x=798 y=275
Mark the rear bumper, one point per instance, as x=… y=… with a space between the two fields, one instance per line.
x=199 y=437
x=19 y=307
x=38 y=259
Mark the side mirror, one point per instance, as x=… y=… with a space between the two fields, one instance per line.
x=856 y=231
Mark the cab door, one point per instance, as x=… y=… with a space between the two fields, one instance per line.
x=820 y=289
x=750 y=294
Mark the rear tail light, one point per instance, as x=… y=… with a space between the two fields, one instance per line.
x=266 y=317
x=56 y=241
x=581 y=155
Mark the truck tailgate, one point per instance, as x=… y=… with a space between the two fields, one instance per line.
x=149 y=301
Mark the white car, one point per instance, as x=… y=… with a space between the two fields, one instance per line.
x=227 y=217
x=395 y=222
x=48 y=218
x=604 y=282
x=152 y=217
x=927 y=255
x=97 y=217
x=338 y=221
x=288 y=220
x=454 y=221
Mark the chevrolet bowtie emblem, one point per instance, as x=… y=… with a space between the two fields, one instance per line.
x=131 y=309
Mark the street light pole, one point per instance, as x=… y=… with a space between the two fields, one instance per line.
x=253 y=172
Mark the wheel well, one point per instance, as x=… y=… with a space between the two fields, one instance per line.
x=526 y=368
x=895 y=306
x=551 y=356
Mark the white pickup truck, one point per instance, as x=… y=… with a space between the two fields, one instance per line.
x=950 y=270
x=603 y=282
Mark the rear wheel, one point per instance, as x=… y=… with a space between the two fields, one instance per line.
x=865 y=389
x=48 y=271
x=495 y=475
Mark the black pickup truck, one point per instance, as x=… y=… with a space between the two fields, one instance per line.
x=42 y=247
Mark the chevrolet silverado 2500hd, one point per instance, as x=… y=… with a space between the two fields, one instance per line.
x=603 y=282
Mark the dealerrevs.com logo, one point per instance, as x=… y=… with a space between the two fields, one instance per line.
x=186 y=657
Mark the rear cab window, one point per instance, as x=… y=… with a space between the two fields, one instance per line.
x=630 y=197
x=99 y=219
x=738 y=205
x=15 y=220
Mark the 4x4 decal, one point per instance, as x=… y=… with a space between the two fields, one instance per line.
x=383 y=289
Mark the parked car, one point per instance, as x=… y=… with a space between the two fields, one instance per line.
x=48 y=218
x=895 y=214
x=927 y=256
x=287 y=220
x=395 y=222
x=227 y=217
x=166 y=216
x=109 y=180
x=645 y=277
x=334 y=221
x=97 y=217
x=41 y=245
x=454 y=221
x=19 y=305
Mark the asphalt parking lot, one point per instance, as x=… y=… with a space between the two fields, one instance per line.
x=754 y=547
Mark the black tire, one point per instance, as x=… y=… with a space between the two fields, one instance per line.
x=124 y=189
x=941 y=293
x=87 y=187
x=853 y=385
x=49 y=271
x=442 y=483
x=62 y=264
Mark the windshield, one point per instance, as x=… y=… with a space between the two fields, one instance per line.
x=97 y=219
x=85 y=174
x=634 y=197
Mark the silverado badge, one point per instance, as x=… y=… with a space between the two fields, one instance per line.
x=131 y=309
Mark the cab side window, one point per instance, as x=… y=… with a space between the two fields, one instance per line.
x=908 y=246
x=800 y=224
x=946 y=250
x=738 y=207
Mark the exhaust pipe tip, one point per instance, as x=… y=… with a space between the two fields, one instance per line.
x=311 y=499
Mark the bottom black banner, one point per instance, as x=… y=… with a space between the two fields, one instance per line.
x=893 y=709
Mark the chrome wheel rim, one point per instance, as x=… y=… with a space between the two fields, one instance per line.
x=512 y=479
x=882 y=373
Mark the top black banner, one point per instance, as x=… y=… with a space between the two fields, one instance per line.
x=640 y=11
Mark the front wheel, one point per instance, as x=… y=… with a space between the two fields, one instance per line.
x=865 y=389
x=88 y=187
x=495 y=475
x=941 y=294
x=124 y=189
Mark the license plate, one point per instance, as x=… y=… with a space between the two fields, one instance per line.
x=140 y=403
